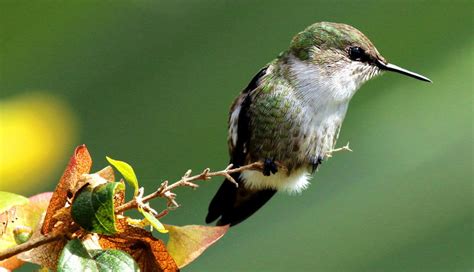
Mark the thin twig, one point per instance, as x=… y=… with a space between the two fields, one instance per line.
x=187 y=181
x=165 y=191
x=32 y=243
x=344 y=148
x=162 y=214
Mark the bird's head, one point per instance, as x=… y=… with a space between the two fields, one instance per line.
x=342 y=53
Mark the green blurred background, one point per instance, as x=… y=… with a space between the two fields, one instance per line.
x=150 y=82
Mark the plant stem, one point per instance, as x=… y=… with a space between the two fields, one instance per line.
x=163 y=191
x=187 y=180
x=32 y=243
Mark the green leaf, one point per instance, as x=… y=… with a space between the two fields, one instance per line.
x=8 y=200
x=155 y=223
x=76 y=257
x=127 y=172
x=114 y=260
x=93 y=208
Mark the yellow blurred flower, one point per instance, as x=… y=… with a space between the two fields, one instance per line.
x=37 y=131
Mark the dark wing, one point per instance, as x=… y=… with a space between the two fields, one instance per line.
x=232 y=204
x=239 y=120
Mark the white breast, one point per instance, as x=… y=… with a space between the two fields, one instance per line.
x=325 y=98
x=296 y=182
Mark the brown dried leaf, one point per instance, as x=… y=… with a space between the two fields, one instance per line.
x=46 y=255
x=188 y=242
x=150 y=253
x=107 y=173
x=119 y=198
x=80 y=163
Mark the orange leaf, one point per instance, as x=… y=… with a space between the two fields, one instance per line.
x=188 y=242
x=80 y=163
x=150 y=253
x=10 y=264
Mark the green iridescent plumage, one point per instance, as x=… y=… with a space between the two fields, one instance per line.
x=332 y=36
x=290 y=114
x=276 y=122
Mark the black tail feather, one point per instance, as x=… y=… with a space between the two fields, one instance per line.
x=222 y=201
x=233 y=205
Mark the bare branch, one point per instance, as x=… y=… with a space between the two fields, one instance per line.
x=32 y=243
x=344 y=148
x=165 y=190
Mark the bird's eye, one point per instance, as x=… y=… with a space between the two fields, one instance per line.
x=357 y=53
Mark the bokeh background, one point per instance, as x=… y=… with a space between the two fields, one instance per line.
x=150 y=82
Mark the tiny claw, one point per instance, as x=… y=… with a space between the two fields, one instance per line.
x=274 y=169
x=315 y=163
x=269 y=166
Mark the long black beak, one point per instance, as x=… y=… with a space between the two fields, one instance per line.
x=395 y=68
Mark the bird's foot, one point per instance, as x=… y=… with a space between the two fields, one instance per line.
x=344 y=148
x=269 y=167
x=315 y=163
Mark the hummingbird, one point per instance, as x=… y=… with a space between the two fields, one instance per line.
x=290 y=114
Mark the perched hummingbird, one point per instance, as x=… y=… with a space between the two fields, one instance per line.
x=290 y=114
